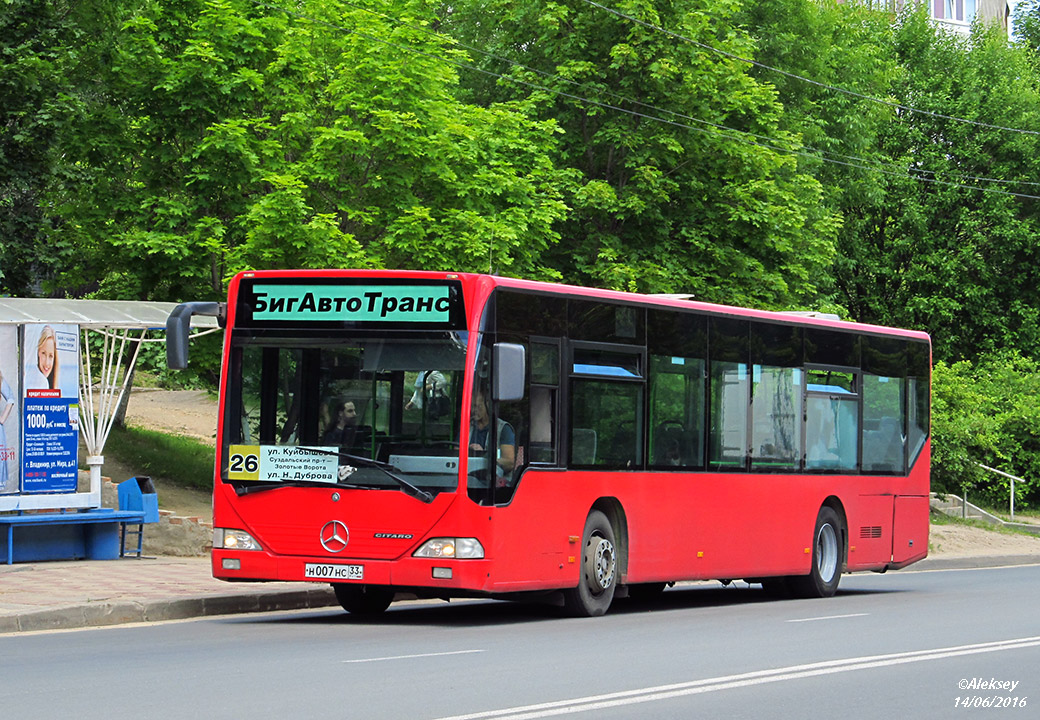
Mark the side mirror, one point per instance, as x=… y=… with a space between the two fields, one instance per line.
x=177 y=327
x=509 y=364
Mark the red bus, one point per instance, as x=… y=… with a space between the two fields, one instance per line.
x=456 y=435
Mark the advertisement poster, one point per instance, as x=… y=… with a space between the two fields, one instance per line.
x=50 y=408
x=10 y=417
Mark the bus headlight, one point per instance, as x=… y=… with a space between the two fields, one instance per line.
x=458 y=548
x=228 y=539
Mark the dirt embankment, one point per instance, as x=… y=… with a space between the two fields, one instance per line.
x=186 y=523
x=183 y=412
x=968 y=541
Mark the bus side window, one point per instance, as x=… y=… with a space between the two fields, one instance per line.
x=607 y=395
x=833 y=387
x=541 y=446
x=677 y=344
x=832 y=420
x=544 y=384
x=918 y=397
x=884 y=405
x=777 y=394
x=730 y=393
x=676 y=412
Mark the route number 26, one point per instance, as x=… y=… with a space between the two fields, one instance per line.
x=244 y=462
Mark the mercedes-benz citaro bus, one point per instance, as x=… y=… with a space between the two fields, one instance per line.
x=401 y=433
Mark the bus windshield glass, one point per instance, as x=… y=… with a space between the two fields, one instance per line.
x=357 y=408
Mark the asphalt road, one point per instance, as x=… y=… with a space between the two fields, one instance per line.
x=909 y=644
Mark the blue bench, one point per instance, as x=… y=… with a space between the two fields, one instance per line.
x=73 y=535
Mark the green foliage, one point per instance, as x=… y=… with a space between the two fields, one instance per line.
x=239 y=136
x=1027 y=24
x=183 y=460
x=846 y=46
x=36 y=56
x=928 y=252
x=669 y=190
x=918 y=247
x=986 y=412
x=202 y=373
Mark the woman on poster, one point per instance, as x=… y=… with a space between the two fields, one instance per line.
x=43 y=374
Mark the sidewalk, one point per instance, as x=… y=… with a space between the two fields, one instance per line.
x=91 y=593
x=94 y=593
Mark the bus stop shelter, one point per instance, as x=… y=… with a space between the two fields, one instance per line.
x=65 y=366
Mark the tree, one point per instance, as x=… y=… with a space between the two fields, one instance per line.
x=829 y=64
x=1026 y=18
x=237 y=136
x=946 y=247
x=985 y=412
x=36 y=84
x=682 y=178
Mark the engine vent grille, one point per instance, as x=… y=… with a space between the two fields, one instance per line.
x=870 y=531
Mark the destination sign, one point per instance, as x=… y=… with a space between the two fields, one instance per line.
x=364 y=303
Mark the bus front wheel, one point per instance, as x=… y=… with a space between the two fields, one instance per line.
x=599 y=569
x=363 y=599
x=822 y=580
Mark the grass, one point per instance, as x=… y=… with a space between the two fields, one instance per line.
x=938 y=518
x=1027 y=516
x=173 y=458
x=1023 y=513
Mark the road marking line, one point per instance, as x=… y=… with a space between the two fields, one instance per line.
x=828 y=617
x=410 y=657
x=728 y=682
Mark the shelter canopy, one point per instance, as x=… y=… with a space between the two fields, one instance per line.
x=119 y=328
x=129 y=314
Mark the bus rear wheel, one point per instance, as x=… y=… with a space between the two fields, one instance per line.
x=822 y=580
x=363 y=599
x=599 y=570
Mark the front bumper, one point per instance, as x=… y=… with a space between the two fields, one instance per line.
x=410 y=572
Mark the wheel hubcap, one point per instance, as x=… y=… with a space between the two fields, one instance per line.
x=600 y=564
x=827 y=552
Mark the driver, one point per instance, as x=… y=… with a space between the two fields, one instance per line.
x=480 y=430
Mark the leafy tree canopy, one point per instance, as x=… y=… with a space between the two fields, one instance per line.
x=682 y=178
x=234 y=135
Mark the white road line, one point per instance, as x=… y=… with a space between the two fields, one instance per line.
x=828 y=617
x=728 y=682
x=409 y=657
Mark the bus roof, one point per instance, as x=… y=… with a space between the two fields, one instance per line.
x=671 y=301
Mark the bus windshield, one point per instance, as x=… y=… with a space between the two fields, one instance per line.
x=359 y=409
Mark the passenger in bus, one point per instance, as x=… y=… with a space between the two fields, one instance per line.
x=505 y=437
x=343 y=427
x=431 y=389
x=668 y=441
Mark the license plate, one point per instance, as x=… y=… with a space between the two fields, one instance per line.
x=330 y=571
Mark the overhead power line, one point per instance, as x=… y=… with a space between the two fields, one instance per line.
x=835 y=88
x=718 y=131
x=816 y=153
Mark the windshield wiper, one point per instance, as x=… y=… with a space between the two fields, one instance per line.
x=292 y=482
x=385 y=468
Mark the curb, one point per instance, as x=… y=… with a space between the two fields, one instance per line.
x=973 y=563
x=121 y=613
x=107 y=614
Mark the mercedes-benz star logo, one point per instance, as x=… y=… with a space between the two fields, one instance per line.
x=334 y=536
